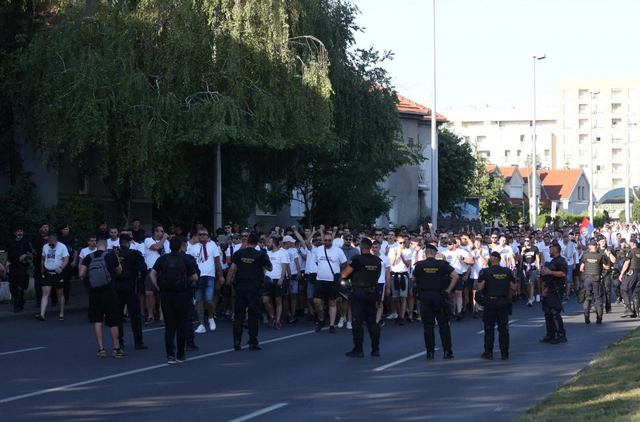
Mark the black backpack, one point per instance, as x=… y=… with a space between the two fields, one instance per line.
x=173 y=274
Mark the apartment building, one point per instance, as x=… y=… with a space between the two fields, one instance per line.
x=503 y=135
x=600 y=116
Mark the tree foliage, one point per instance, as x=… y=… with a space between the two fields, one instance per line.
x=456 y=169
x=488 y=187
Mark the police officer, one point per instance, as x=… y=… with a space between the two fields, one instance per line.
x=609 y=258
x=629 y=280
x=553 y=275
x=435 y=280
x=592 y=267
x=133 y=269
x=621 y=256
x=364 y=271
x=247 y=272
x=497 y=284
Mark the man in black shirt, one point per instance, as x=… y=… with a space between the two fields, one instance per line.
x=173 y=275
x=435 y=280
x=137 y=232
x=592 y=267
x=19 y=256
x=529 y=266
x=496 y=283
x=553 y=275
x=133 y=269
x=247 y=270
x=629 y=280
x=103 y=305
x=364 y=271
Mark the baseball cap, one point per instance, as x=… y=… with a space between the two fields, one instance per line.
x=288 y=238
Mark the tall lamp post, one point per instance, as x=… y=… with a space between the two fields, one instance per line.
x=434 y=136
x=627 y=184
x=534 y=167
x=592 y=95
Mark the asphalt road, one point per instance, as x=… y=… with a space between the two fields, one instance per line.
x=50 y=372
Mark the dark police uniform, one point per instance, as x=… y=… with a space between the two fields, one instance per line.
x=249 y=277
x=433 y=278
x=18 y=270
x=592 y=283
x=629 y=286
x=621 y=256
x=607 y=278
x=364 y=280
x=497 y=290
x=552 y=301
x=133 y=269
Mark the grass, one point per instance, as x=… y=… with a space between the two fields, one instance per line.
x=607 y=390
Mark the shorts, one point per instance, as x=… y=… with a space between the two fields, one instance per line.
x=326 y=290
x=380 y=289
x=471 y=283
x=533 y=276
x=293 y=287
x=399 y=285
x=148 y=285
x=569 y=274
x=53 y=280
x=270 y=288
x=103 y=306
x=205 y=289
x=460 y=283
x=311 y=282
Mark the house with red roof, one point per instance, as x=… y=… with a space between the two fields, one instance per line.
x=513 y=183
x=569 y=188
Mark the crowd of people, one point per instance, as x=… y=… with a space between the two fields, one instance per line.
x=191 y=280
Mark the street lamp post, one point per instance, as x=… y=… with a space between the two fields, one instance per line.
x=534 y=169
x=434 y=136
x=592 y=95
x=627 y=184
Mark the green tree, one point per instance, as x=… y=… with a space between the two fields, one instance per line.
x=488 y=187
x=456 y=167
x=635 y=211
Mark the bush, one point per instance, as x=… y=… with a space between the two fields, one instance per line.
x=20 y=206
x=83 y=215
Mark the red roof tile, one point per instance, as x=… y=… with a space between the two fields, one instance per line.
x=559 y=184
x=408 y=106
x=507 y=172
x=491 y=168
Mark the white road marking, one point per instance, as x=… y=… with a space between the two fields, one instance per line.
x=135 y=371
x=510 y=322
x=22 y=350
x=527 y=325
x=260 y=412
x=398 y=362
x=152 y=329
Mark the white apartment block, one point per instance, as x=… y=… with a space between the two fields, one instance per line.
x=603 y=112
x=503 y=135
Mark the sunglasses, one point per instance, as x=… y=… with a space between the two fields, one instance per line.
x=328 y=240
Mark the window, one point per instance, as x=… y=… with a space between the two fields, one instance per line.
x=599 y=168
x=297 y=205
x=480 y=139
x=583 y=94
x=616 y=93
x=616 y=168
x=507 y=153
x=83 y=185
x=583 y=139
x=485 y=154
x=616 y=141
x=266 y=212
x=616 y=152
x=616 y=107
x=547 y=153
x=522 y=138
x=519 y=153
x=466 y=139
x=583 y=123
x=583 y=108
x=616 y=181
x=616 y=123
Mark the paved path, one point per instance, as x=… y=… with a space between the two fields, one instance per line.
x=50 y=372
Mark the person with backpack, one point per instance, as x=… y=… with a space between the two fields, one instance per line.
x=101 y=267
x=173 y=275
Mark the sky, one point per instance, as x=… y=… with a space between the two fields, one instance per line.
x=484 y=48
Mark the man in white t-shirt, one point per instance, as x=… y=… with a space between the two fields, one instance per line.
x=384 y=281
x=113 y=242
x=55 y=257
x=274 y=288
x=330 y=261
x=294 y=277
x=400 y=261
x=154 y=247
x=91 y=247
x=459 y=259
x=207 y=256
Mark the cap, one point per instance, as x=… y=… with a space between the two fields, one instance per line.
x=496 y=254
x=124 y=237
x=288 y=238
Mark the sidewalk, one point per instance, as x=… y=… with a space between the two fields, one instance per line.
x=78 y=302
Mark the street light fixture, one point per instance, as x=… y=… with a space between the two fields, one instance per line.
x=534 y=169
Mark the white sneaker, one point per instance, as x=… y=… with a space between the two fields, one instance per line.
x=212 y=324
x=341 y=322
x=392 y=316
x=530 y=302
x=201 y=329
x=537 y=298
x=349 y=326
